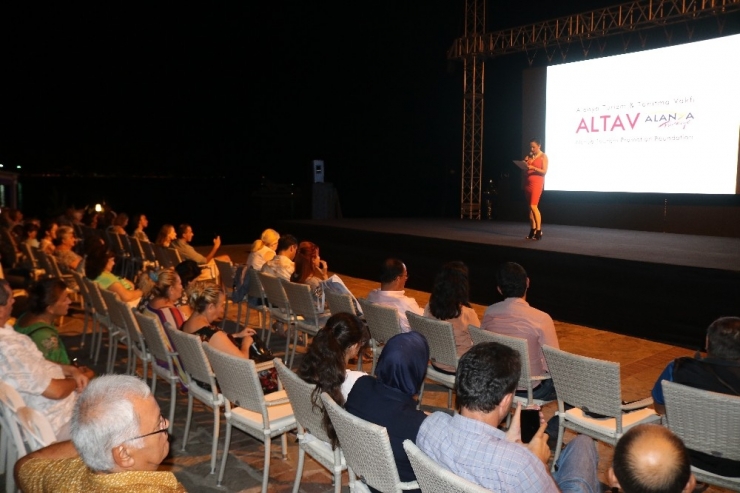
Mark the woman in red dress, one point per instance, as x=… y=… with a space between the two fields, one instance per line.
x=536 y=170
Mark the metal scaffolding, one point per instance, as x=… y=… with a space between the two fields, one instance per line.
x=476 y=45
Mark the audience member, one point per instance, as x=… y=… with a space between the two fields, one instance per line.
x=207 y=302
x=47 y=235
x=388 y=400
x=393 y=278
x=30 y=234
x=118 y=223
x=450 y=301
x=47 y=300
x=263 y=250
x=99 y=268
x=325 y=363
x=141 y=223
x=718 y=372
x=311 y=270
x=651 y=459
x=119 y=438
x=470 y=445
x=187 y=252
x=189 y=271
x=282 y=265
x=66 y=241
x=45 y=386
x=163 y=294
x=516 y=318
x=166 y=235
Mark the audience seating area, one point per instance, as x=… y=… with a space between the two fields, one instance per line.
x=213 y=384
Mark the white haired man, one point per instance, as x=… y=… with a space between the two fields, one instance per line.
x=119 y=438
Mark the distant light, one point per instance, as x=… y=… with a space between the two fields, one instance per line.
x=1 y=165
x=18 y=167
x=98 y=208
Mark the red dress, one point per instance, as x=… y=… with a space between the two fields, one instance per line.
x=535 y=181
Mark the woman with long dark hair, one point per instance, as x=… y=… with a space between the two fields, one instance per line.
x=311 y=270
x=99 y=268
x=325 y=363
x=450 y=301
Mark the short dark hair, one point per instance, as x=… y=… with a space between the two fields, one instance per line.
x=635 y=476
x=4 y=294
x=485 y=375
x=511 y=279
x=285 y=242
x=96 y=260
x=724 y=338
x=188 y=270
x=181 y=229
x=44 y=294
x=391 y=269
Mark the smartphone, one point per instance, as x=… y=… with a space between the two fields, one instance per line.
x=529 y=423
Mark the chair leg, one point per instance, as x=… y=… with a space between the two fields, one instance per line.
x=173 y=400
x=84 y=327
x=421 y=395
x=299 y=469
x=449 y=398
x=216 y=429
x=154 y=378
x=559 y=446
x=266 y=471
x=226 y=313
x=227 y=442
x=187 y=421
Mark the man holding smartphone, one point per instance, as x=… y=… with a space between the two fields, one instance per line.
x=470 y=444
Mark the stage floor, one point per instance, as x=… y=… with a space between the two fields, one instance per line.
x=711 y=252
x=659 y=286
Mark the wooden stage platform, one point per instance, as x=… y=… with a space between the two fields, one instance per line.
x=658 y=286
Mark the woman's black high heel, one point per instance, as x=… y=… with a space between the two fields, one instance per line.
x=530 y=236
x=538 y=234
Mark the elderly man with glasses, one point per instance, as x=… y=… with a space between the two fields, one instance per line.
x=119 y=438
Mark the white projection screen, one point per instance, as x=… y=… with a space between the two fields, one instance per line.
x=657 y=121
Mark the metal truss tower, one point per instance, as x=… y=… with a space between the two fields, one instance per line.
x=476 y=45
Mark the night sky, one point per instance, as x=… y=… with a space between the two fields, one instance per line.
x=255 y=90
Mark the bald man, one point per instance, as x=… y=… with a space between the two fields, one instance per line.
x=651 y=459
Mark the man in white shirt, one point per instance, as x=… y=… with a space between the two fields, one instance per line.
x=391 y=293
x=282 y=265
x=48 y=387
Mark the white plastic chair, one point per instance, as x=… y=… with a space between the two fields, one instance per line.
x=197 y=367
x=158 y=345
x=247 y=408
x=526 y=380
x=591 y=385
x=312 y=437
x=367 y=450
x=442 y=350
x=12 y=447
x=433 y=478
x=383 y=323
x=707 y=422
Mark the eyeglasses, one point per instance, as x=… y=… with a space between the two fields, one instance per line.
x=163 y=424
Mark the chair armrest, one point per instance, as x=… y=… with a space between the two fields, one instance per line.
x=540 y=377
x=264 y=366
x=632 y=406
x=278 y=402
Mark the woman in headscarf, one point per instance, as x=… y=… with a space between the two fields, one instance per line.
x=389 y=399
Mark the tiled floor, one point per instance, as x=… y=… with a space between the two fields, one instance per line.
x=641 y=362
